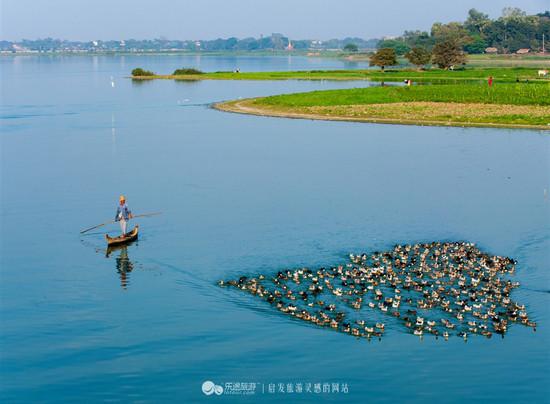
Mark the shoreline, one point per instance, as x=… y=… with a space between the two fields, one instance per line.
x=244 y=107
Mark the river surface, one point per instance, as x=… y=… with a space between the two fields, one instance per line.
x=242 y=195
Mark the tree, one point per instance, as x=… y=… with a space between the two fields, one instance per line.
x=417 y=39
x=418 y=56
x=478 y=45
x=476 y=21
x=398 y=45
x=448 y=53
x=453 y=31
x=510 y=13
x=351 y=47
x=383 y=57
x=515 y=31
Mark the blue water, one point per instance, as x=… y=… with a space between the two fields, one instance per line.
x=241 y=194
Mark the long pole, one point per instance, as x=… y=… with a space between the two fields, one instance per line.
x=113 y=221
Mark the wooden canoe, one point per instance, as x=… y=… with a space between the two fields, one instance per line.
x=126 y=238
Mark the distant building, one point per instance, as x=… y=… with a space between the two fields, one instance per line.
x=491 y=50
x=289 y=47
x=522 y=51
x=17 y=48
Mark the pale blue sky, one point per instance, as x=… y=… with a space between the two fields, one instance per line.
x=208 y=19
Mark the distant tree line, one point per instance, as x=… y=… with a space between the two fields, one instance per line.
x=510 y=32
x=272 y=42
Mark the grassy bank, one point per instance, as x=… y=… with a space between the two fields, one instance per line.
x=432 y=75
x=508 y=105
x=512 y=60
x=514 y=94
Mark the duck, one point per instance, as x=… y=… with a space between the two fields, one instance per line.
x=455 y=278
x=450 y=325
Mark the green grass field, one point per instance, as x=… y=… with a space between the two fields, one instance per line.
x=503 y=105
x=503 y=93
x=500 y=74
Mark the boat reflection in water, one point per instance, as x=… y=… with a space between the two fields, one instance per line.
x=123 y=263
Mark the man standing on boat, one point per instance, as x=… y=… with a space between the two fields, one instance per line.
x=123 y=214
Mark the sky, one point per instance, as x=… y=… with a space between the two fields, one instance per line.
x=210 y=19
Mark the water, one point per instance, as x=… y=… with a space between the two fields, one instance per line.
x=241 y=194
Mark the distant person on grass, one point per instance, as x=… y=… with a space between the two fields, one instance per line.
x=123 y=214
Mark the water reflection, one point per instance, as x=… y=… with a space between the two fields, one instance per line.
x=123 y=263
x=138 y=82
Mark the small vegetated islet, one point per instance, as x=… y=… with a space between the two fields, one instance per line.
x=186 y=70
x=139 y=72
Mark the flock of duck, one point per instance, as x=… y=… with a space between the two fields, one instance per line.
x=438 y=288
